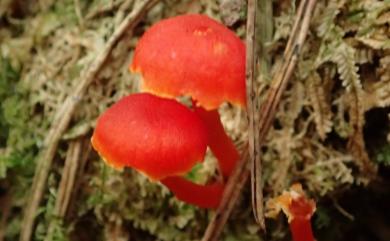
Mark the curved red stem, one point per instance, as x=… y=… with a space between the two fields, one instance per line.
x=204 y=196
x=301 y=229
x=220 y=143
x=298 y=208
x=301 y=209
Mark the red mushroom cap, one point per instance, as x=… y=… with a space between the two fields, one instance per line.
x=158 y=137
x=192 y=55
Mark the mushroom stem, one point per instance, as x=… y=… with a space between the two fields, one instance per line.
x=299 y=213
x=219 y=142
x=298 y=208
x=204 y=196
x=301 y=229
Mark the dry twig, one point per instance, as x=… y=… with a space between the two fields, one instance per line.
x=64 y=115
x=253 y=111
x=268 y=110
x=66 y=184
x=5 y=204
x=263 y=33
x=79 y=178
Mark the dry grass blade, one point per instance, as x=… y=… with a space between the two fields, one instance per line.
x=253 y=109
x=5 y=204
x=66 y=184
x=64 y=115
x=263 y=29
x=79 y=178
x=268 y=110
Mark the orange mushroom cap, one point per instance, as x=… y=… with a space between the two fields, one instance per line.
x=293 y=203
x=156 y=136
x=192 y=55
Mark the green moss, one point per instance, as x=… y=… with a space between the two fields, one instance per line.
x=383 y=155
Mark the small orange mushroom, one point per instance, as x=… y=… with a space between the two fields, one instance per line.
x=194 y=55
x=298 y=209
x=160 y=138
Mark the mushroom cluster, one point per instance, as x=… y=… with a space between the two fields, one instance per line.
x=189 y=55
x=193 y=55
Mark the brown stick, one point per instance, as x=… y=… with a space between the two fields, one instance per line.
x=64 y=115
x=6 y=205
x=268 y=111
x=79 y=178
x=66 y=184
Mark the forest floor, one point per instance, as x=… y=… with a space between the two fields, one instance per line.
x=59 y=71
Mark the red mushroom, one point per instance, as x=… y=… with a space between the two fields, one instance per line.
x=193 y=55
x=299 y=210
x=160 y=138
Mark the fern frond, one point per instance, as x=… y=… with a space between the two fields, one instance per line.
x=326 y=19
x=382 y=88
x=376 y=43
x=364 y=55
x=295 y=103
x=321 y=108
x=344 y=57
x=356 y=143
x=372 y=9
x=331 y=41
